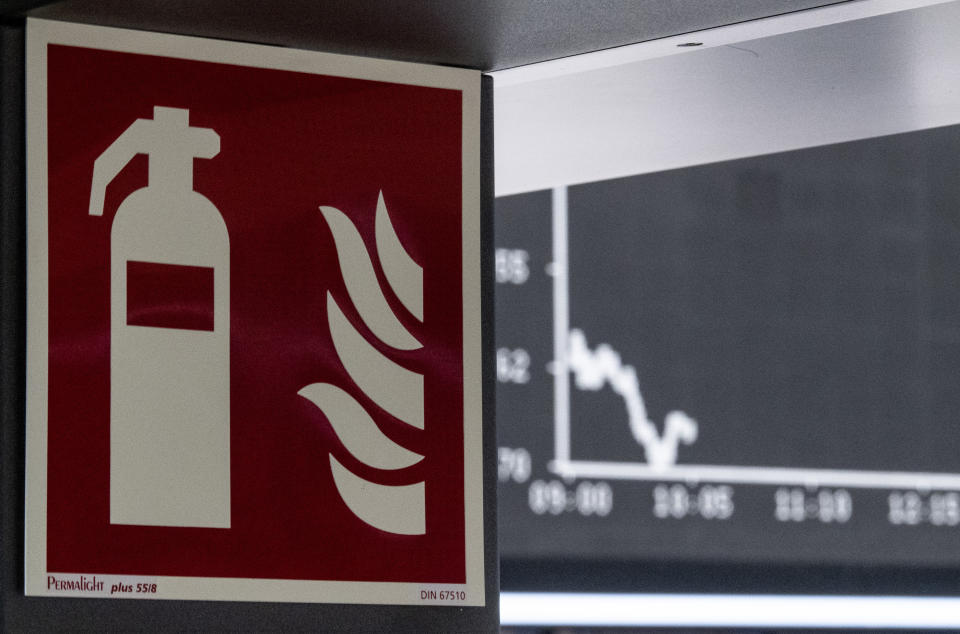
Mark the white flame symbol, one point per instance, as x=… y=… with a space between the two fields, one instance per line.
x=395 y=509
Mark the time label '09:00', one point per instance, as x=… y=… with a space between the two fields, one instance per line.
x=555 y=498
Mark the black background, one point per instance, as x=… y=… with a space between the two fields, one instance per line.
x=803 y=307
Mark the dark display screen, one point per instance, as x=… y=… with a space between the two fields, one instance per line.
x=749 y=362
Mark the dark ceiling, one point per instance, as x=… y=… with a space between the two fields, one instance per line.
x=481 y=34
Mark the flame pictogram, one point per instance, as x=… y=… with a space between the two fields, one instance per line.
x=399 y=509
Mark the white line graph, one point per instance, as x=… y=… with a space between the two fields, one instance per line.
x=595 y=369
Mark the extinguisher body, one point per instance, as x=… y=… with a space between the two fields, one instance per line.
x=169 y=386
x=169 y=371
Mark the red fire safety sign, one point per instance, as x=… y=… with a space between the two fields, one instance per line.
x=253 y=323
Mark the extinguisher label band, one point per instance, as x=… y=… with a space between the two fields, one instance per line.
x=169 y=296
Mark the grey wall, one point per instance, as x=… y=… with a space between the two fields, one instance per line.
x=487 y=35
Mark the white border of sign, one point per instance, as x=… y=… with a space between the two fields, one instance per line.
x=40 y=33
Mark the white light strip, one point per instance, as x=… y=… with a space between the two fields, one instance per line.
x=707 y=38
x=600 y=610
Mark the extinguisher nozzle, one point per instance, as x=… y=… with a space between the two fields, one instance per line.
x=96 y=202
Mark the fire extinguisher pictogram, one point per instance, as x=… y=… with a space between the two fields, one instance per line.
x=169 y=331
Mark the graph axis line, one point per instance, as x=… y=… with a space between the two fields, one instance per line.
x=775 y=476
x=569 y=469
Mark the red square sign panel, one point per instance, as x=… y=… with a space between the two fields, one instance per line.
x=254 y=337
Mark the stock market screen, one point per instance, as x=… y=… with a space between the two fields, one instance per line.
x=754 y=361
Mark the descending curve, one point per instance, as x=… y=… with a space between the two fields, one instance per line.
x=593 y=369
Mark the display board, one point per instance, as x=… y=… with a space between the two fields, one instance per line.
x=750 y=363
